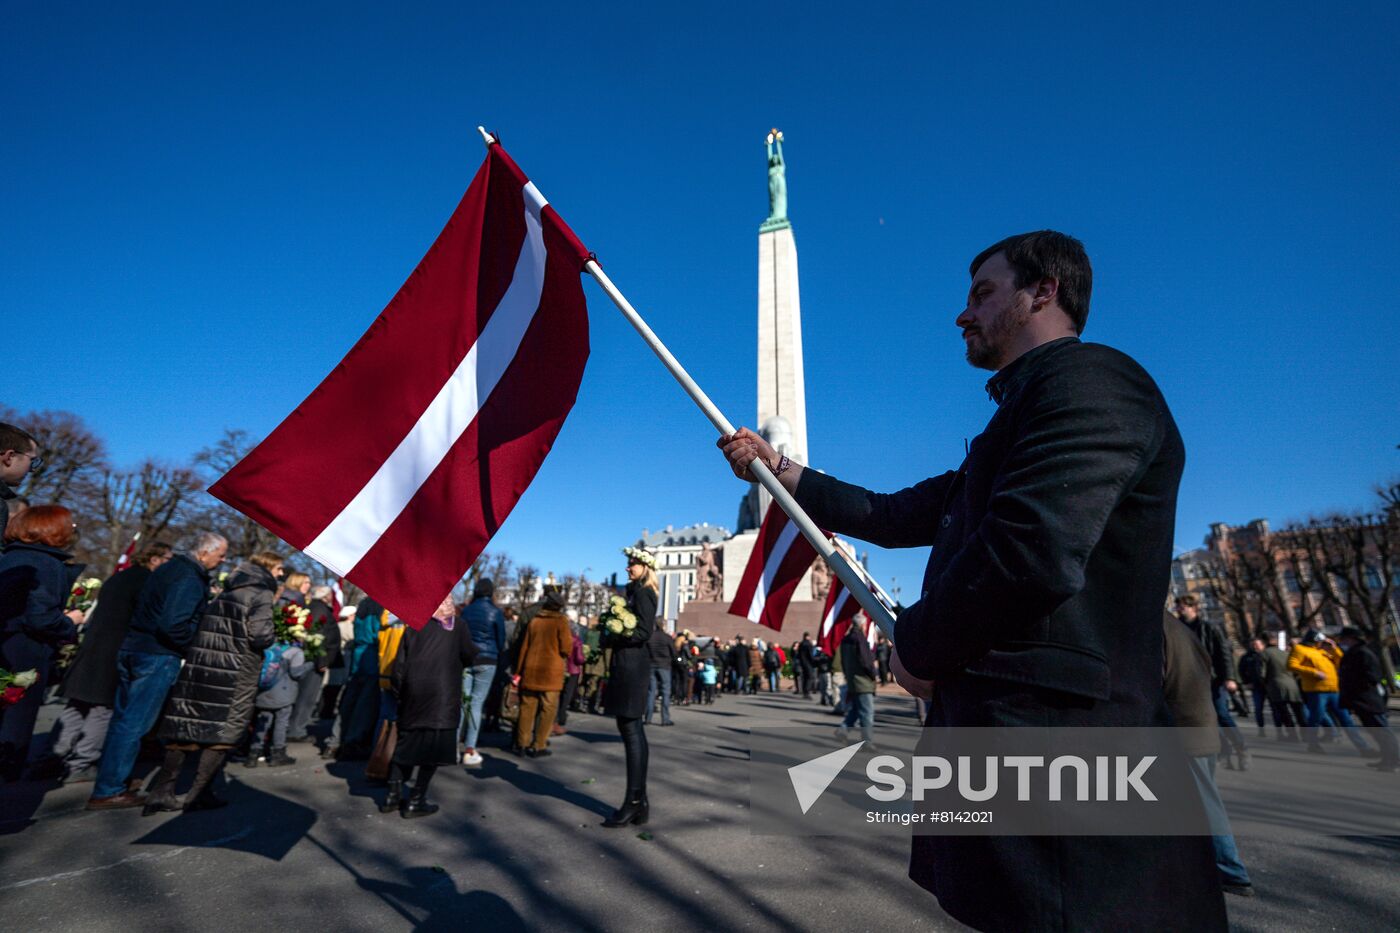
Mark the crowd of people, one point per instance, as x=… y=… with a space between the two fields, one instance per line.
x=1311 y=688
x=246 y=665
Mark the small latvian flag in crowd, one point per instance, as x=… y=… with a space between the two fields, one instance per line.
x=124 y=561
x=781 y=555
x=444 y=410
x=840 y=609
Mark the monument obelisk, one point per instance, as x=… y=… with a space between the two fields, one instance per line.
x=781 y=391
x=782 y=394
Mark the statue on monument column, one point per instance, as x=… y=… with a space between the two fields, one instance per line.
x=709 y=579
x=777 y=177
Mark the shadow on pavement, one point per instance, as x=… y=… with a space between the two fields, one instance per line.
x=20 y=801
x=531 y=782
x=255 y=822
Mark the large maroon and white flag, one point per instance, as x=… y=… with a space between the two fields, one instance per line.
x=401 y=465
x=781 y=555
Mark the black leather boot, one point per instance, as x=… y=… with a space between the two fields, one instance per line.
x=635 y=810
x=394 y=799
x=418 y=805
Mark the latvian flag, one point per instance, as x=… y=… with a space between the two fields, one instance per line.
x=838 y=615
x=781 y=555
x=840 y=609
x=442 y=412
x=124 y=561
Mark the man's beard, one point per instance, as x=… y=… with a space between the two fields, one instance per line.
x=986 y=349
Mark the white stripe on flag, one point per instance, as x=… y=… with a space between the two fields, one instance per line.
x=770 y=569
x=829 y=622
x=350 y=535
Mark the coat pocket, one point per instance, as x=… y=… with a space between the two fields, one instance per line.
x=1066 y=668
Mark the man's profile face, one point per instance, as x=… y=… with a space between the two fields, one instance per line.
x=1187 y=612
x=996 y=310
x=14 y=464
x=212 y=559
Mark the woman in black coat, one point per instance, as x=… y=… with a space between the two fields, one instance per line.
x=628 y=678
x=211 y=703
x=90 y=686
x=427 y=679
x=36 y=579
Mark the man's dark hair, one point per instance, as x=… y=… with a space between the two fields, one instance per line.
x=484 y=586
x=1047 y=254
x=1188 y=600
x=159 y=550
x=16 y=439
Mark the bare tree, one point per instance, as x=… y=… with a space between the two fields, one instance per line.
x=152 y=501
x=1230 y=585
x=245 y=536
x=526 y=576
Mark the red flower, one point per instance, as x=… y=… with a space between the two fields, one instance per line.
x=79 y=591
x=12 y=694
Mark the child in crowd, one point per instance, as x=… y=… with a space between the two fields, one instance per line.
x=283 y=664
x=709 y=676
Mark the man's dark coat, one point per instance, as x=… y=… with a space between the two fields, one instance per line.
x=92 y=678
x=1361 y=680
x=1042 y=606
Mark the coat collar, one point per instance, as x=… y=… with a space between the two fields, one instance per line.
x=198 y=567
x=1009 y=379
x=6 y=492
x=60 y=555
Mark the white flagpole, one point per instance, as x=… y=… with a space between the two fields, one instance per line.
x=829 y=552
x=879 y=590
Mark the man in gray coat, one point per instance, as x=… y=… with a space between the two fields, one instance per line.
x=1285 y=697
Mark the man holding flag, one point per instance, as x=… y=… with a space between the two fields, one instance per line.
x=1042 y=601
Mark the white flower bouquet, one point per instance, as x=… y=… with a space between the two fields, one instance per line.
x=620 y=622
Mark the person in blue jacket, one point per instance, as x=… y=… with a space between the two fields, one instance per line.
x=488 y=628
x=162 y=629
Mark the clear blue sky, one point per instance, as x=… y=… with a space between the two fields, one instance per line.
x=204 y=205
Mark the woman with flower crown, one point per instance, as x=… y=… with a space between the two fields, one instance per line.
x=627 y=625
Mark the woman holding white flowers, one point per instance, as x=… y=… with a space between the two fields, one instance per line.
x=627 y=625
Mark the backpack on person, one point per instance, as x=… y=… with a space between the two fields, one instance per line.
x=771 y=662
x=271 y=666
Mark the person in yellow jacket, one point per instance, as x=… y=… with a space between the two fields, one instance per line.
x=390 y=637
x=1314 y=662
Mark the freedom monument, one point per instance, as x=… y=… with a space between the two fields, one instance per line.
x=700 y=566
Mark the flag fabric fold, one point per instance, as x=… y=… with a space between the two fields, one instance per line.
x=402 y=464
x=781 y=555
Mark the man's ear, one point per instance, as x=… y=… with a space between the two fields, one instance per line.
x=1046 y=291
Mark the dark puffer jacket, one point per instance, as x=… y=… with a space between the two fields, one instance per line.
x=212 y=702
